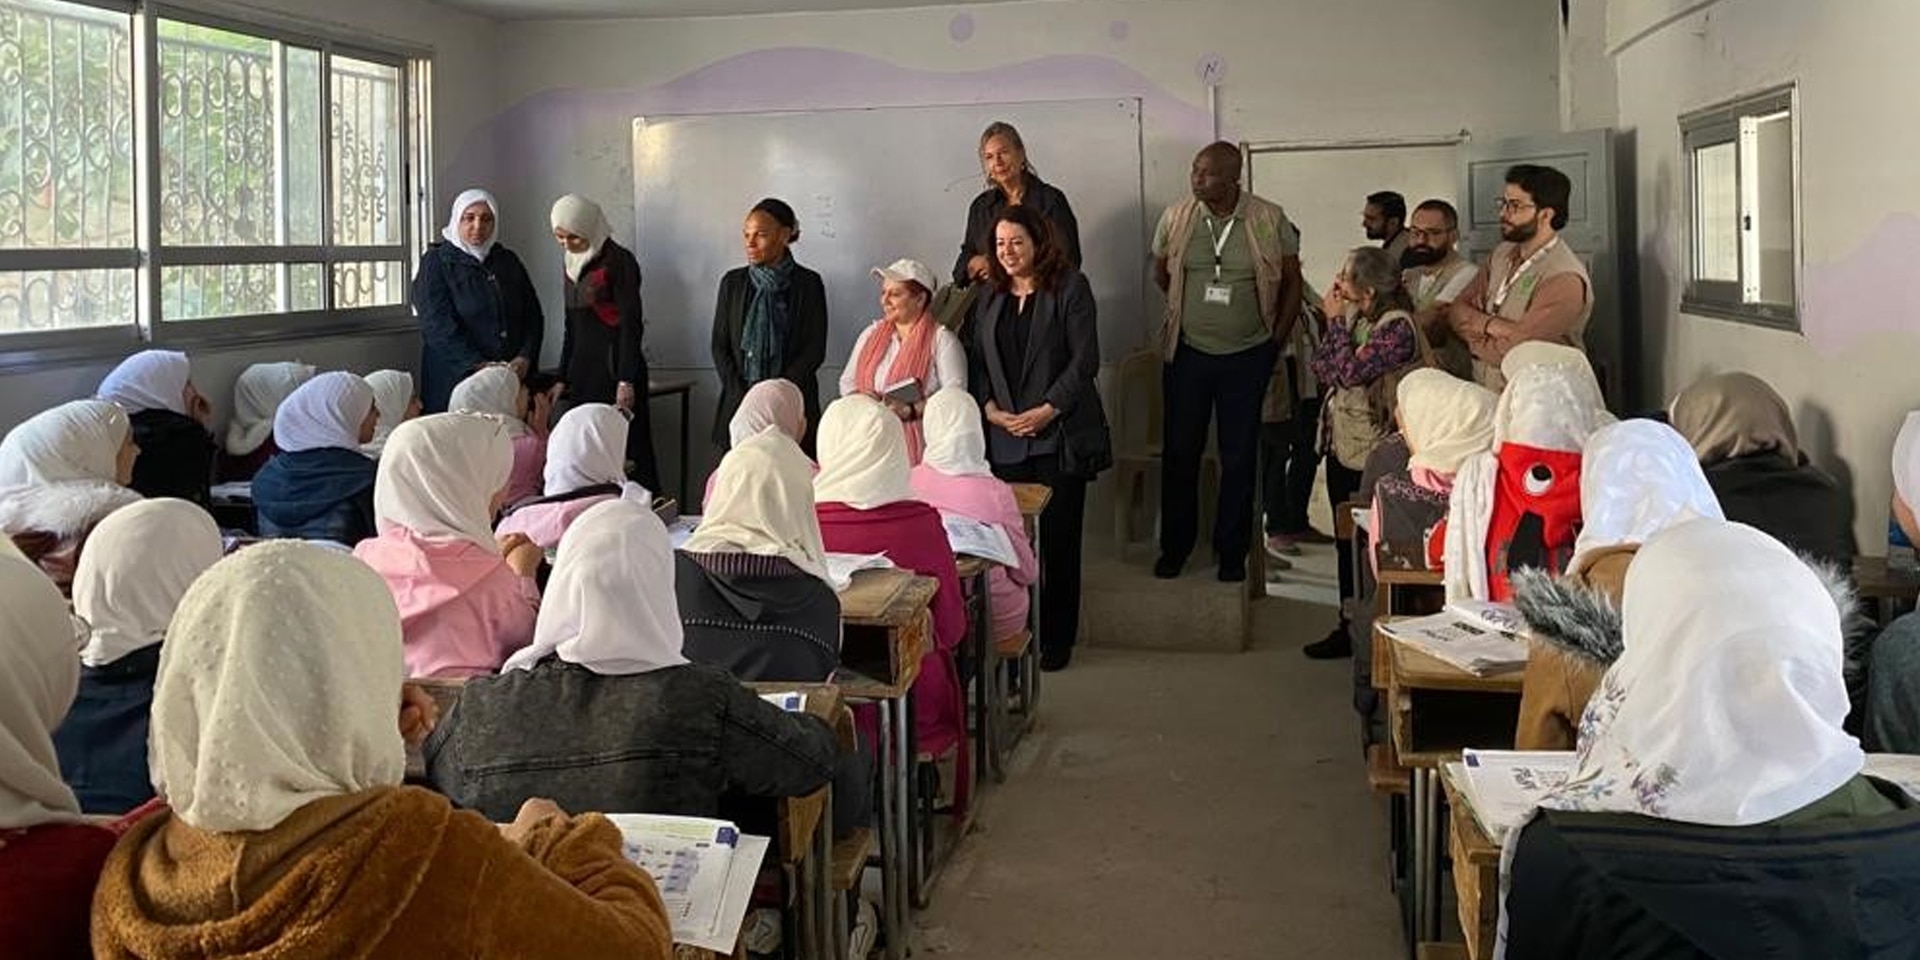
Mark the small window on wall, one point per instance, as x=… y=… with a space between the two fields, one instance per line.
x=1743 y=192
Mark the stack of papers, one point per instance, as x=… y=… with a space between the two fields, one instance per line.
x=705 y=870
x=971 y=538
x=1481 y=638
x=1502 y=786
x=842 y=566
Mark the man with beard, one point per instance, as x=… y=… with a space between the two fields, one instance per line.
x=1533 y=288
x=1436 y=275
x=1385 y=220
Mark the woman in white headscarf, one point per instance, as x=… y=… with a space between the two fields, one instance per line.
x=475 y=302
x=170 y=420
x=629 y=726
x=320 y=487
x=138 y=564
x=1637 y=479
x=257 y=396
x=61 y=472
x=1717 y=808
x=586 y=465
x=396 y=402
x=467 y=600
x=498 y=392
x=277 y=746
x=601 y=357
x=954 y=478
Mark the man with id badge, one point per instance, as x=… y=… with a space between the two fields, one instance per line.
x=1533 y=288
x=1229 y=263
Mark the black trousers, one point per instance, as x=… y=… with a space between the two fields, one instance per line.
x=1060 y=529
x=1342 y=484
x=1288 y=462
x=1225 y=390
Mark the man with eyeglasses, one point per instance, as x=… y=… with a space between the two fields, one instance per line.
x=1435 y=277
x=1533 y=288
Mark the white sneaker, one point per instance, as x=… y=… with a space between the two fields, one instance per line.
x=866 y=929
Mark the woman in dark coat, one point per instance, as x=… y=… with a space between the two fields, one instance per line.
x=770 y=319
x=169 y=418
x=601 y=357
x=475 y=302
x=1011 y=182
x=1035 y=343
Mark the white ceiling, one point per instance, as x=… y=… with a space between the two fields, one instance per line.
x=644 y=9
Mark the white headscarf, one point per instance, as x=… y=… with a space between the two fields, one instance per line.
x=439 y=475
x=762 y=504
x=393 y=395
x=451 y=232
x=326 y=412
x=279 y=685
x=587 y=448
x=1552 y=400
x=138 y=563
x=956 y=443
x=610 y=605
x=149 y=380
x=769 y=403
x=863 y=455
x=583 y=218
x=1636 y=479
x=78 y=440
x=1446 y=419
x=39 y=676
x=257 y=395
x=494 y=391
x=1906 y=461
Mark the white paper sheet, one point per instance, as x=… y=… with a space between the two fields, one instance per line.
x=792 y=701
x=1463 y=641
x=842 y=566
x=1503 y=785
x=681 y=530
x=704 y=869
x=971 y=538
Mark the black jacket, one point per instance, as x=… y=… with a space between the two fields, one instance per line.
x=987 y=207
x=324 y=494
x=805 y=345
x=1794 y=503
x=605 y=326
x=472 y=313
x=1062 y=365
x=758 y=618
x=176 y=457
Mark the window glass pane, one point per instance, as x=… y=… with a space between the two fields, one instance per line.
x=366 y=123
x=1716 y=213
x=66 y=128
x=1770 y=148
x=203 y=291
x=373 y=284
x=219 y=94
x=305 y=287
x=306 y=132
x=34 y=301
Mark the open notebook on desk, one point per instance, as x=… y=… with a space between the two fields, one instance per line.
x=705 y=870
x=971 y=538
x=1481 y=638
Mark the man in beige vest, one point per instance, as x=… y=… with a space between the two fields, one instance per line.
x=1230 y=265
x=1533 y=288
x=1436 y=276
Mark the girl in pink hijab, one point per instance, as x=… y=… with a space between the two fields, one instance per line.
x=769 y=403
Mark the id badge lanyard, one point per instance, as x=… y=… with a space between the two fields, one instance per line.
x=1505 y=289
x=1219 y=242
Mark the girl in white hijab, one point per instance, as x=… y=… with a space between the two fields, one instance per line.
x=257 y=396
x=126 y=592
x=152 y=380
x=762 y=504
x=586 y=466
x=393 y=396
x=320 y=486
x=497 y=392
x=953 y=477
x=1637 y=478
x=1443 y=420
x=606 y=671
x=61 y=472
x=863 y=455
x=169 y=417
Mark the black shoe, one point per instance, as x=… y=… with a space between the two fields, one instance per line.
x=1054 y=661
x=1168 y=568
x=1333 y=646
x=1233 y=571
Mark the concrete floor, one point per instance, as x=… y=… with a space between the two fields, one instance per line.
x=1180 y=805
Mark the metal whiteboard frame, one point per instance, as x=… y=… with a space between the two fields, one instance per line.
x=1249 y=148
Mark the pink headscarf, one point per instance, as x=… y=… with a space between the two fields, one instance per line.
x=913 y=361
x=769 y=403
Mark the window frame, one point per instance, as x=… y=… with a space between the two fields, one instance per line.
x=1714 y=126
x=149 y=256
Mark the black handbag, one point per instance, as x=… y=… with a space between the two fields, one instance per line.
x=1086 y=444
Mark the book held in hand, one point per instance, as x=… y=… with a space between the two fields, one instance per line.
x=705 y=870
x=907 y=391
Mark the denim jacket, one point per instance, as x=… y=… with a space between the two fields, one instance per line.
x=102 y=743
x=676 y=741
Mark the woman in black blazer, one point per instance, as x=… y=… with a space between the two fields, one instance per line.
x=770 y=320
x=1035 y=347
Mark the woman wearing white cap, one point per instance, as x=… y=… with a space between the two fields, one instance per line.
x=905 y=356
x=476 y=304
x=601 y=360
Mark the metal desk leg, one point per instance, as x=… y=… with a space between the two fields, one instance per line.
x=987 y=747
x=832 y=922
x=904 y=827
x=1418 y=808
x=893 y=909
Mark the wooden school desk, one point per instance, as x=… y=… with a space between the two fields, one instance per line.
x=886 y=631
x=1476 y=872
x=1889 y=590
x=987 y=752
x=1032 y=499
x=1435 y=710
x=806 y=833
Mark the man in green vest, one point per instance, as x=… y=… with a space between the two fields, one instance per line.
x=1534 y=287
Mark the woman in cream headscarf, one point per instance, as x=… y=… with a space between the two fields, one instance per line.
x=1443 y=421
x=602 y=358
x=1717 y=808
x=277 y=747
x=752 y=580
x=126 y=592
x=320 y=487
x=954 y=478
x=257 y=395
x=475 y=302
x=499 y=392
x=170 y=418
x=466 y=599
x=61 y=472
x=629 y=726
x=394 y=398
x=586 y=465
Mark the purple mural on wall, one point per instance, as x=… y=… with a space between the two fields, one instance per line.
x=1865 y=292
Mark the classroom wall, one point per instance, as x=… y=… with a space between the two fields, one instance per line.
x=570 y=89
x=1848 y=377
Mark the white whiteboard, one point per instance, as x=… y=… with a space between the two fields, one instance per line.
x=871 y=186
x=1324 y=191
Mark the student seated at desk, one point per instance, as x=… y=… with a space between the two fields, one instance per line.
x=138 y=564
x=257 y=397
x=586 y=466
x=169 y=417
x=1637 y=479
x=769 y=403
x=61 y=472
x=752 y=582
x=1443 y=421
x=954 y=477
x=277 y=743
x=627 y=724
x=320 y=486
x=395 y=399
x=466 y=599
x=497 y=391
x=1893 y=712
x=1718 y=810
